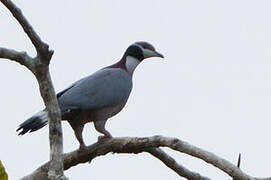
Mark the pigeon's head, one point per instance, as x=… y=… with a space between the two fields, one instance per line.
x=142 y=50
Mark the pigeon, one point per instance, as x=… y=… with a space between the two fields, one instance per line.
x=97 y=97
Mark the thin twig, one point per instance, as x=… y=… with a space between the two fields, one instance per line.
x=238 y=164
x=172 y=164
x=239 y=160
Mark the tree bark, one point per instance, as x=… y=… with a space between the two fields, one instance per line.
x=39 y=66
x=151 y=145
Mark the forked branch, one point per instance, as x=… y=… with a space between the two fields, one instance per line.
x=39 y=66
x=41 y=47
x=151 y=145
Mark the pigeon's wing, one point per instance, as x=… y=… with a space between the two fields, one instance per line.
x=105 y=88
x=65 y=90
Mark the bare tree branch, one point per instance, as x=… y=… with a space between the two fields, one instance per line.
x=39 y=67
x=54 y=168
x=172 y=164
x=20 y=57
x=55 y=130
x=41 y=47
x=137 y=145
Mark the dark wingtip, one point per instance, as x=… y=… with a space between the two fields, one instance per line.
x=18 y=129
x=32 y=123
x=22 y=129
x=22 y=132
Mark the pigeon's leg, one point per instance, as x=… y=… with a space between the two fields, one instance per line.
x=78 y=130
x=100 y=127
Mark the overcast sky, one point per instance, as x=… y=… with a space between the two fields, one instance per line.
x=212 y=89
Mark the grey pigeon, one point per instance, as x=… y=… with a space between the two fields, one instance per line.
x=96 y=97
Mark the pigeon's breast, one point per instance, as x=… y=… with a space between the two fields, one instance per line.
x=100 y=114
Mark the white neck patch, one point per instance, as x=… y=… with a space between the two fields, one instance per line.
x=131 y=63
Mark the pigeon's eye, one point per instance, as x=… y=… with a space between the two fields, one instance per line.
x=148 y=47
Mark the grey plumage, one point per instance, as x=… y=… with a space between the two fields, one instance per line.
x=34 y=123
x=105 y=88
x=97 y=97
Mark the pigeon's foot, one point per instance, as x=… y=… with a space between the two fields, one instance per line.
x=82 y=147
x=104 y=138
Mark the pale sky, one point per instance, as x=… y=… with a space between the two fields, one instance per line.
x=212 y=89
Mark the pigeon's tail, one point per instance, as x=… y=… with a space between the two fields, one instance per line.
x=34 y=123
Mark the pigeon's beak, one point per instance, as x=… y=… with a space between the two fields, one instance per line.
x=151 y=53
x=157 y=54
